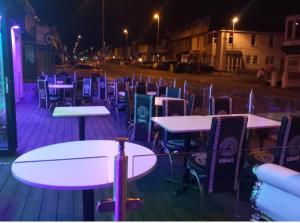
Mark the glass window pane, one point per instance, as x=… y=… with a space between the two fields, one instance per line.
x=3 y=121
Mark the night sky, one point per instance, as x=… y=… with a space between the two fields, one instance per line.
x=73 y=17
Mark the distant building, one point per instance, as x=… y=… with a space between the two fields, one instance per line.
x=241 y=51
x=291 y=47
x=245 y=51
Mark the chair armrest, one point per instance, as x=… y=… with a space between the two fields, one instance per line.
x=279 y=177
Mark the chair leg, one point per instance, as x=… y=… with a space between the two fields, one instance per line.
x=184 y=181
x=201 y=192
x=237 y=200
x=154 y=141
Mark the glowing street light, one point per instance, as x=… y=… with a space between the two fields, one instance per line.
x=157 y=17
x=234 y=21
x=125 y=32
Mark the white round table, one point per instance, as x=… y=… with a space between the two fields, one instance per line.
x=80 y=165
x=61 y=86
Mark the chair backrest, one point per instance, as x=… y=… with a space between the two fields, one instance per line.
x=78 y=92
x=51 y=80
x=143 y=110
x=151 y=87
x=141 y=83
x=173 y=92
x=42 y=92
x=161 y=91
x=220 y=105
x=191 y=102
x=102 y=87
x=225 y=150
x=173 y=108
x=288 y=143
x=87 y=87
x=199 y=104
x=139 y=89
x=185 y=90
x=61 y=78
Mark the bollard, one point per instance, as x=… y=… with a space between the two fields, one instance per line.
x=120 y=185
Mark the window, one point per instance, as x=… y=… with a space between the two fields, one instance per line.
x=297 y=31
x=290 y=30
x=255 y=59
x=270 y=60
x=271 y=41
x=29 y=54
x=253 y=40
x=215 y=37
x=247 y=59
x=209 y=38
x=230 y=39
x=198 y=41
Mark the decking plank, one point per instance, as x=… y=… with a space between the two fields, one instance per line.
x=49 y=206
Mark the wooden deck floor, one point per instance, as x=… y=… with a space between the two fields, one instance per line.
x=37 y=128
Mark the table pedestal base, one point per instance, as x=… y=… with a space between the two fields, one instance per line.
x=88 y=205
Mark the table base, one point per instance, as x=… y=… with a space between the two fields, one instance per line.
x=88 y=205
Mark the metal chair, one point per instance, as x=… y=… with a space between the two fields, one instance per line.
x=172 y=143
x=44 y=95
x=220 y=105
x=286 y=152
x=140 y=89
x=216 y=167
x=151 y=89
x=143 y=111
x=173 y=92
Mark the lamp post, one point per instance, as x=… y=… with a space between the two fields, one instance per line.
x=125 y=32
x=234 y=21
x=156 y=16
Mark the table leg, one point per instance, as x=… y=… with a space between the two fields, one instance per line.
x=88 y=205
x=81 y=128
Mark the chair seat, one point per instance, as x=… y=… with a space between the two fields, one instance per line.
x=177 y=144
x=53 y=98
x=260 y=157
x=197 y=162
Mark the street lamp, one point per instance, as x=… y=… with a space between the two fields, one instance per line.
x=234 y=21
x=156 y=16
x=125 y=32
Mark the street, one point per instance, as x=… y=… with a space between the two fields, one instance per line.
x=267 y=99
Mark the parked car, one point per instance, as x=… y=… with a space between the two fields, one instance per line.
x=197 y=68
x=165 y=65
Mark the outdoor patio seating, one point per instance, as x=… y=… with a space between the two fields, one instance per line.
x=216 y=166
x=286 y=152
x=220 y=105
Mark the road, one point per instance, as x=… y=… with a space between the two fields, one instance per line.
x=267 y=99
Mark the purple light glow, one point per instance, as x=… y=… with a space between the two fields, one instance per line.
x=17 y=62
x=15 y=27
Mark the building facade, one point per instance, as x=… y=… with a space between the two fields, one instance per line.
x=291 y=47
x=238 y=51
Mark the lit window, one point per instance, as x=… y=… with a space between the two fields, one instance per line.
x=253 y=40
x=255 y=59
x=247 y=59
x=215 y=37
x=271 y=41
x=198 y=41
